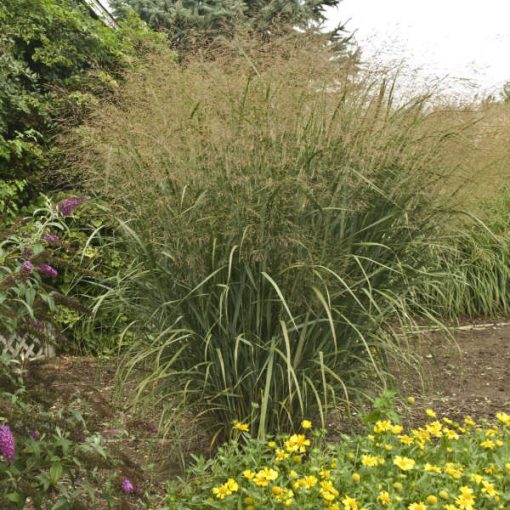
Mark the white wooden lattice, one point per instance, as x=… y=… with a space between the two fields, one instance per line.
x=27 y=347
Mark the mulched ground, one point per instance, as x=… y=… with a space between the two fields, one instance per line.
x=468 y=376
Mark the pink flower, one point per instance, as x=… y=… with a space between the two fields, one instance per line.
x=48 y=270
x=7 y=443
x=127 y=487
x=68 y=205
x=51 y=238
x=27 y=267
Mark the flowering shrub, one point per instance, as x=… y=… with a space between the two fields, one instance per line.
x=47 y=458
x=29 y=256
x=440 y=465
x=63 y=250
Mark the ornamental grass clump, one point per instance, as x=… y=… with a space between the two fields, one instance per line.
x=282 y=211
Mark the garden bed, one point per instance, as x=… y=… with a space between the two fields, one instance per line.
x=470 y=378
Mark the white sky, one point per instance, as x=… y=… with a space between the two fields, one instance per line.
x=464 y=42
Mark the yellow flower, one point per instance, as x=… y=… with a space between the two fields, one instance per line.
x=356 y=477
x=504 y=418
x=397 y=429
x=466 y=499
x=297 y=443
x=350 y=503
x=488 y=488
x=430 y=413
x=371 y=460
x=221 y=491
x=306 y=482
x=271 y=444
x=328 y=492
x=435 y=429
x=411 y=400
x=242 y=427
x=443 y=494
x=490 y=469
x=248 y=474
x=469 y=422
x=384 y=498
x=407 y=440
x=451 y=434
x=306 y=424
x=226 y=489
x=281 y=455
x=453 y=470
x=474 y=477
x=264 y=476
x=325 y=473
x=431 y=468
x=404 y=463
x=431 y=499
x=285 y=496
x=382 y=426
x=488 y=444
x=417 y=506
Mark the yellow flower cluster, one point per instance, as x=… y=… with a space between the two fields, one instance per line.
x=441 y=465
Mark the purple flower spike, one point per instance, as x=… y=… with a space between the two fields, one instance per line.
x=127 y=486
x=68 y=205
x=7 y=444
x=27 y=267
x=48 y=270
x=34 y=434
x=51 y=238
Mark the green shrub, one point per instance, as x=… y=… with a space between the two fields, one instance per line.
x=56 y=61
x=50 y=460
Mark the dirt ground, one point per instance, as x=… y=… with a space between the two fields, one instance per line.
x=467 y=376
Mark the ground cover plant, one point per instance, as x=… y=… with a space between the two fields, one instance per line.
x=441 y=464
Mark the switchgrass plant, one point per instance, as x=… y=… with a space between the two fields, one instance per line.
x=283 y=212
x=476 y=259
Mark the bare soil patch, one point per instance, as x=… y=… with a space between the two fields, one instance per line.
x=468 y=377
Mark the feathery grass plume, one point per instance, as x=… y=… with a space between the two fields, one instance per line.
x=286 y=215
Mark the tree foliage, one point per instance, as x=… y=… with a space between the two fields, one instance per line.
x=55 y=59
x=191 y=22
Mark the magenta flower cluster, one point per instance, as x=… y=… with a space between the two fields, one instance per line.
x=27 y=267
x=127 y=486
x=68 y=205
x=51 y=238
x=46 y=269
x=7 y=443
